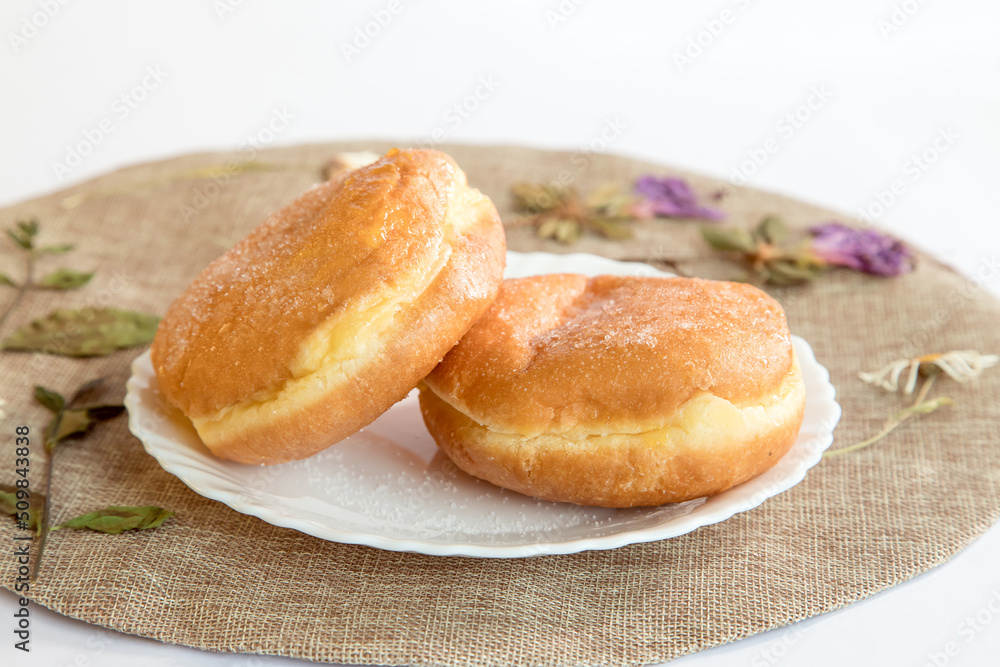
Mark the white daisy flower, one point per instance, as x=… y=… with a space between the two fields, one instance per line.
x=959 y=365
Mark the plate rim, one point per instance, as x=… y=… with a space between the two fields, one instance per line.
x=707 y=513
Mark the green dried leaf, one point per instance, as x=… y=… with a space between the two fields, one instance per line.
x=783 y=272
x=609 y=200
x=103 y=412
x=734 y=238
x=21 y=240
x=65 y=424
x=771 y=230
x=6 y=280
x=65 y=279
x=923 y=408
x=53 y=400
x=86 y=391
x=89 y=332
x=547 y=230
x=568 y=231
x=28 y=227
x=36 y=505
x=77 y=421
x=777 y=279
x=610 y=228
x=602 y=195
x=55 y=249
x=116 y=519
x=537 y=198
x=8 y=499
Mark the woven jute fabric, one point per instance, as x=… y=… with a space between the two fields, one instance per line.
x=216 y=579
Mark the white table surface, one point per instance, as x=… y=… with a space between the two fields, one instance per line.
x=885 y=80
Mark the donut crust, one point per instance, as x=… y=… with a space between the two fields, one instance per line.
x=619 y=391
x=332 y=309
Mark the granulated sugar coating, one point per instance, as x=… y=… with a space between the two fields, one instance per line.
x=564 y=352
x=317 y=257
x=332 y=309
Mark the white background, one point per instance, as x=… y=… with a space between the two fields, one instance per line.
x=885 y=79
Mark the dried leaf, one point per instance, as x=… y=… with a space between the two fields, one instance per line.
x=28 y=227
x=926 y=407
x=603 y=194
x=771 y=230
x=6 y=280
x=77 y=421
x=568 y=231
x=65 y=424
x=784 y=272
x=559 y=213
x=547 y=230
x=609 y=200
x=53 y=400
x=65 y=279
x=22 y=240
x=778 y=279
x=36 y=506
x=115 y=519
x=86 y=391
x=55 y=249
x=103 y=412
x=734 y=238
x=537 y=198
x=88 y=332
x=610 y=228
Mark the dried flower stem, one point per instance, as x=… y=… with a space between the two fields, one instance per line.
x=924 y=388
x=673 y=265
x=960 y=365
x=43 y=527
x=211 y=171
x=920 y=406
x=26 y=284
x=54 y=434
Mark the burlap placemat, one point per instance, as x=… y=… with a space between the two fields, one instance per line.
x=219 y=580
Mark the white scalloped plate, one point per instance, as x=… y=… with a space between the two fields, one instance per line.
x=390 y=487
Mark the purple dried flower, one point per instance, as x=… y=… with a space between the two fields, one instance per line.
x=861 y=249
x=670 y=197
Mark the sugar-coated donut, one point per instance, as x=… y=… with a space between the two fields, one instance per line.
x=331 y=310
x=619 y=391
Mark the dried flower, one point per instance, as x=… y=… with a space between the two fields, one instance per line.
x=832 y=244
x=959 y=365
x=763 y=251
x=558 y=213
x=669 y=197
x=864 y=250
x=347 y=162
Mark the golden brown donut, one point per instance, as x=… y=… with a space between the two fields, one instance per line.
x=332 y=309
x=619 y=391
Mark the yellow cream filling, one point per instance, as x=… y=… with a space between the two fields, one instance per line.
x=704 y=416
x=346 y=342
